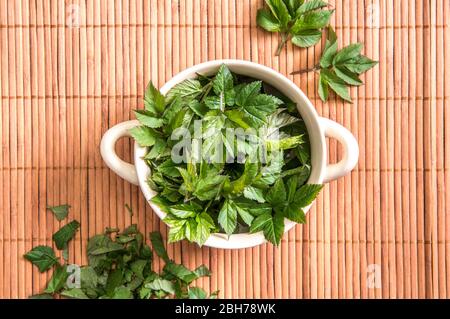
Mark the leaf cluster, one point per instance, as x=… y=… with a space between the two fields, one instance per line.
x=200 y=196
x=120 y=267
x=298 y=20
x=340 y=69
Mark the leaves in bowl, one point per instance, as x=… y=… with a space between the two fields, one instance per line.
x=248 y=140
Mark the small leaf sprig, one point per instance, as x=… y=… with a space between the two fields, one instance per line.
x=296 y=20
x=339 y=69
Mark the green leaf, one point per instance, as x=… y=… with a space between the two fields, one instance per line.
x=312 y=20
x=223 y=82
x=146 y=118
x=181 y=272
x=330 y=50
x=245 y=214
x=250 y=171
x=198 y=108
x=196 y=293
x=202 y=271
x=271 y=172
x=169 y=168
x=310 y=6
x=138 y=267
x=162 y=284
x=254 y=193
x=122 y=293
x=177 y=232
x=347 y=76
x=277 y=193
x=161 y=203
x=186 y=90
x=360 y=64
x=260 y=222
x=180 y=119
x=237 y=117
x=154 y=101
x=209 y=187
x=285 y=143
x=157 y=149
x=74 y=293
x=65 y=234
x=188 y=179
x=307 y=193
x=88 y=277
x=100 y=244
x=158 y=246
x=347 y=53
x=42 y=256
x=280 y=11
x=274 y=229
x=252 y=207
x=277 y=120
x=258 y=108
x=114 y=280
x=60 y=211
x=143 y=135
x=293 y=6
x=190 y=230
x=248 y=92
x=306 y=38
x=336 y=84
x=228 y=217
x=341 y=90
x=301 y=173
x=204 y=226
x=295 y=213
x=219 y=102
x=266 y=20
x=323 y=88
x=184 y=210
x=130 y=230
x=57 y=280
x=291 y=188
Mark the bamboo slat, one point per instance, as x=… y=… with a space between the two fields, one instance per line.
x=69 y=70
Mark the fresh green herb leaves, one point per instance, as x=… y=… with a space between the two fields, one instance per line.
x=120 y=267
x=60 y=211
x=341 y=68
x=206 y=192
x=42 y=256
x=302 y=22
x=298 y=20
x=65 y=234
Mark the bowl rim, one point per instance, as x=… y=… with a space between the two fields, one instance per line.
x=306 y=110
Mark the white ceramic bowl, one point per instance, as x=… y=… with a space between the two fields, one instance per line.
x=318 y=128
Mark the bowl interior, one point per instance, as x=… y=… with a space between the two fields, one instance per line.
x=285 y=86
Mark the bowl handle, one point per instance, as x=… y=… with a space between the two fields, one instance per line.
x=107 y=148
x=351 y=149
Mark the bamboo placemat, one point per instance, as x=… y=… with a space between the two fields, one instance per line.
x=72 y=69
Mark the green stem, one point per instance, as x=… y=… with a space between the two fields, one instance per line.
x=205 y=94
x=314 y=68
x=284 y=39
